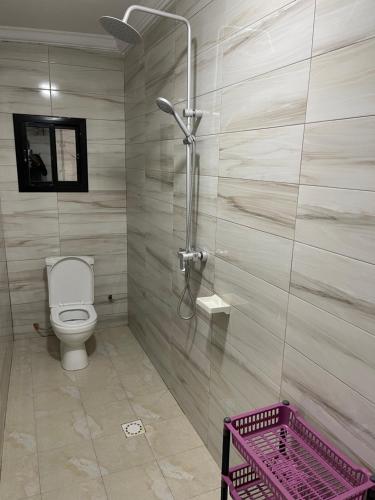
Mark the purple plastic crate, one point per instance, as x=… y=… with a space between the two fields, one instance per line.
x=293 y=461
x=244 y=484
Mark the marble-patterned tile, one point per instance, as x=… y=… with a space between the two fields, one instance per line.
x=139 y=377
x=279 y=39
x=57 y=429
x=118 y=453
x=207 y=73
x=87 y=106
x=236 y=369
x=87 y=58
x=342 y=414
x=109 y=132
x=93 y=397
x=87 y=80
x=101 y=154
x=262 y=302
x=73 y=225
x=337 y=284
x=206 y=189
x=338 y=220
x=190 y=7
x=145 y=481
x=265 y=155
x=261 y=254
x=104 y=202
x=24 y=316
x=161 y=437
x=24 y=51
x=337 y=346
x=191 y=365
x=30 y=221
x=20 y=100
x=255 y=346
x=339 y=153
x=190 y=473
x=110 y=178
x=211 y=495
x=136 y=129
x=274 y=99
x=7 y=147
x=332 y=15
x=71 y=464
x=100 y=244
x=159 y=70
x=24 y=74
x=342 y=83
x=155 y=407
x=107 y=419
x=19 y=477
x=27 y=281
x=92 y=489
x=267 y=206
x=63 y=398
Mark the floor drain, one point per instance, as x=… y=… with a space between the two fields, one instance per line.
x=134 y=428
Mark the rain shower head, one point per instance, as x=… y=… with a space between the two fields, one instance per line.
x=120 y=30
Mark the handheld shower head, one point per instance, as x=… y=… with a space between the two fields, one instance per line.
x=168 y=107
x=120 y=30
x=165 y=105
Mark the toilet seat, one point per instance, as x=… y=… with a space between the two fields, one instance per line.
x=73 y=318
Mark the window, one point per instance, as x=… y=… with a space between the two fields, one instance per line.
x=51 y=153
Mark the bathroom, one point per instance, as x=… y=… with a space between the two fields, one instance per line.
x=187 y=234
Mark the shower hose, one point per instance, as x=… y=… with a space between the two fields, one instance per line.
x=186 y=291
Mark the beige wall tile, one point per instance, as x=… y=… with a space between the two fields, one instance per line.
x=29 y=101
x=339 y=153
x=281 y=38
x=87 y=80
x=342 y=83
x=342 y=22
x=24 y=51
x=87 y=106
x=24 y=74
x=92 y=59
x=275 y=99
x=337 y=284
x=339 y=220
x=339 y=347
x=260 y=301
x=265 y=155
x=340 y=412
x=267 y=206
x=264 y=255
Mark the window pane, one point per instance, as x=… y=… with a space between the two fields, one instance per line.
x=38 y=156
x=66 y=154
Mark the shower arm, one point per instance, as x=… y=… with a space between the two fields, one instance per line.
x=188 y=112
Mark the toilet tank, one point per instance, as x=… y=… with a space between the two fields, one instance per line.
x=70 y=280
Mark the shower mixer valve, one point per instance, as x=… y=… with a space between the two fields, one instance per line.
x=192 y=256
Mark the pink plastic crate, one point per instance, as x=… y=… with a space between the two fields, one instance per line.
x=244 y=484
x=293 y=461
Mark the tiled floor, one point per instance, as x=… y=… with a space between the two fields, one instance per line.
x=63 y=437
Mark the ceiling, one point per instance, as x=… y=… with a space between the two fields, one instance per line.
x=79 y=16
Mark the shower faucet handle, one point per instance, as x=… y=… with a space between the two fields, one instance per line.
x=192 y=256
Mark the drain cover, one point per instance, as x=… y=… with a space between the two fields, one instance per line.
x=134 y=428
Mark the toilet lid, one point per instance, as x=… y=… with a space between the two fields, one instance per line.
x=71 y=281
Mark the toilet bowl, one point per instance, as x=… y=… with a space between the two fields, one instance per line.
x=71 y=297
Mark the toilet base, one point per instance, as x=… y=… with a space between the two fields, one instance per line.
x=73 y=357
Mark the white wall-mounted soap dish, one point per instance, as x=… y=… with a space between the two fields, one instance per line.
x=213 y=304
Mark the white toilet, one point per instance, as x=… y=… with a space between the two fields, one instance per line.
x=71 y=298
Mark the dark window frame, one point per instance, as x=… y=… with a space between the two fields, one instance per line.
x=20 y=122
